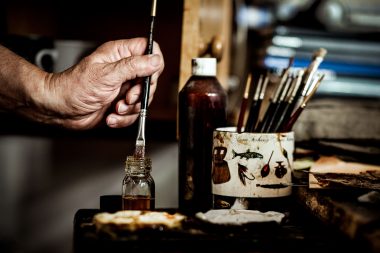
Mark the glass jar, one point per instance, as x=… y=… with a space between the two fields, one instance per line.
x=138 y=191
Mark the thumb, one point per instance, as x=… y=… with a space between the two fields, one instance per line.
x=136 y=66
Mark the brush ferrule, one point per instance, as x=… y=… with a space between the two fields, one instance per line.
x=141 y=131
x=154 y=7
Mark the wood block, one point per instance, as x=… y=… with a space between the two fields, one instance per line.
x=342 y=210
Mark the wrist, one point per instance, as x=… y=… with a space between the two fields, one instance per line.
x=45 y=100
x=39 y=98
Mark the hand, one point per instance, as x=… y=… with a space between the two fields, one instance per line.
x=106 y=84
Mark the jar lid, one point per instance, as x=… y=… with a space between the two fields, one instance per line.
x=203 y=66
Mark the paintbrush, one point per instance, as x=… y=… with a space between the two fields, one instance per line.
x=313 y=88
x=140 y=141
x=244 y=103
x=281 y=104
x=307 y=78
x=289 y=101
x=279 y=107
x=254 y=110
x=273 y=103
x=256 y=125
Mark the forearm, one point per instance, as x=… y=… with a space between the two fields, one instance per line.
x=21 y=85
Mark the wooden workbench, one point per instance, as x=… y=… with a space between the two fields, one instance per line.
x=341 y=210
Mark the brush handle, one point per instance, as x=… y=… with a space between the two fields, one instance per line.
x=253 y=116
x=273 y=125
x=146 y=85
x=242 y=114
x=289 y=125
x=284 y=116
x=267 y=116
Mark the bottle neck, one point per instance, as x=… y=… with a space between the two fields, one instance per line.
x=138 y=166
x=137 y=172
x=204 y=66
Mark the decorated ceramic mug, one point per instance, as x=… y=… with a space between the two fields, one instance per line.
x=252 y=165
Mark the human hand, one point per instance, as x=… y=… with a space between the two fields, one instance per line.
x=106 y=84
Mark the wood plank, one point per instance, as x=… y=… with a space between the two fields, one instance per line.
x=331 y=172
x=202 y=21
x=342 y=210
x=190 y=38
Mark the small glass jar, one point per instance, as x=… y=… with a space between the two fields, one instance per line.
x=138 y=191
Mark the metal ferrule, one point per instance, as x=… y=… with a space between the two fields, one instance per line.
x=141 y=130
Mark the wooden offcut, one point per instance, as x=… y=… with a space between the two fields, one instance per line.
x=331 y=172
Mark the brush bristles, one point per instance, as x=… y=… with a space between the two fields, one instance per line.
x=320 y=53
x=139 y=151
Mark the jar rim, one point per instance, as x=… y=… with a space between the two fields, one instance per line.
x=138 y=163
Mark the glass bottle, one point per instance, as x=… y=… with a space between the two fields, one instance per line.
x=202 y=108
x=138 y=191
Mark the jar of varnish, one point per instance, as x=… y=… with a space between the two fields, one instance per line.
x=138 y=190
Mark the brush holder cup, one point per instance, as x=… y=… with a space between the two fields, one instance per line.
x=251 y=165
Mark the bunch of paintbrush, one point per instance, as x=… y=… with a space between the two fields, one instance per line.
x=256 y=101
x=290 y=96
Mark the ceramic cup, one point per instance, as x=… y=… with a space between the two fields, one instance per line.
x=65 y=53
x=252 y=165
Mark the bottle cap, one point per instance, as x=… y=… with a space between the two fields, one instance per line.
x=203 y=66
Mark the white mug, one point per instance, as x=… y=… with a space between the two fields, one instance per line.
x=65 y=53
x=252 y=165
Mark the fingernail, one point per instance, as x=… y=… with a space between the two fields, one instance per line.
x=154 y=60
x=122 y=108
x=111 y=121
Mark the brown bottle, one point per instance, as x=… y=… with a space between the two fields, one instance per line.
x=202 y=108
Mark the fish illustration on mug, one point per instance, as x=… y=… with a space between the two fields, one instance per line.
x=247 y=155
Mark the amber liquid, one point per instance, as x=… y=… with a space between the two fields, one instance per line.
x=202 y=108
x=138 y=203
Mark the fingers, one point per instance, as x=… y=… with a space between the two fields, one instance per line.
x=117 y=121
x=134 y=67
x=130 y=50
x=117 y=63
x=135 y=46
x=125 y=114
x=141 y=66
x=122 y=108
x=134 y=93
